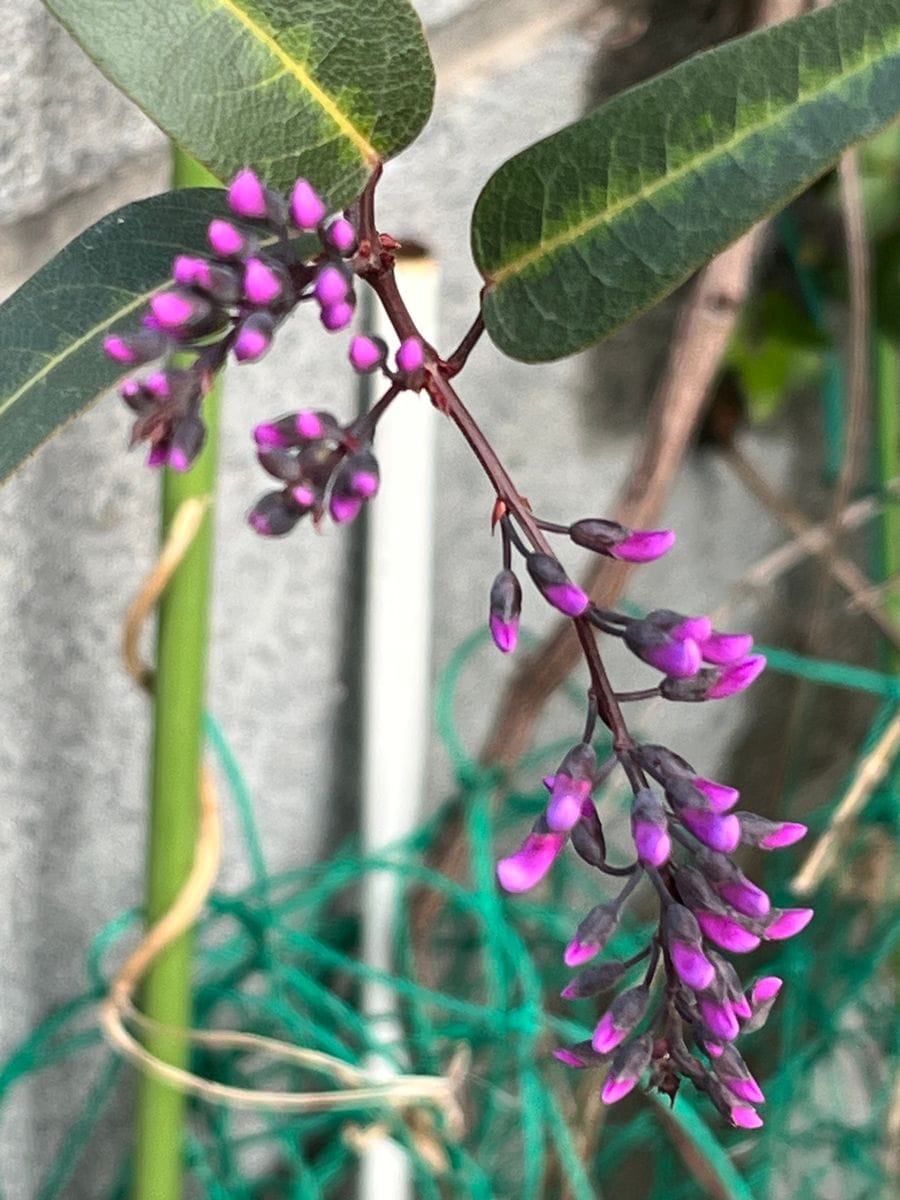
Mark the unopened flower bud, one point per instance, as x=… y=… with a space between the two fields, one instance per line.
x=366 y=353
x=254 y=337
x=626 y=1068
x=246 y=195
x=763 y=995
x=617 y=541
x=722 y=833
x=650 y=829
x=135 y=349
x=180 y=311
x=274 y=515
x=307 y=207
x=337 y=316
x=624 y=1013
x=341 y=236
x=737 y=676
x=719 y=1019
x=675 y=657
x=685 y=944
x=723 y=648
x=582 y=1054
x=724 y=932
x=332 y=285
x=226 y=239
x=571 y=786
x=527 y=867
x=592 y=934
x=505 y=608
x=410 y=356
x=593 y=981
x=186 y=442
x=786 y=922
x=769 y=835
x=555 y=586
x=263 y=283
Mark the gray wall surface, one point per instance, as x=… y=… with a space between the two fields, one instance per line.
x=77 y=524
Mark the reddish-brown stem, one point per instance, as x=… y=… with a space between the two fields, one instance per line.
x=375 y=265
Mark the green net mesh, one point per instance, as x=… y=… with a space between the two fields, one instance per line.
x=282 y=958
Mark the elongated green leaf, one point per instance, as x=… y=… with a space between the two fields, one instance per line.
x=52 y=328
x=319 y=88
x=582 y=231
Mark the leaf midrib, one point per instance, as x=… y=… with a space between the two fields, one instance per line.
x=294 y=67
x=575 y=233
x=57 y=359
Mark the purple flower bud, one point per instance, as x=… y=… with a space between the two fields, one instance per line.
x=310 y=425
x=527 y=867
x=582 y=1054
x=726 y=933
x=190 y=272
x=719 y=1019
x=304 y=495
x=344 y=509
x=555 y=586
x=626 y=1068
x=694 y=629
x=679 y=659
x=719 y=832
x=692 y=966
x=714 y=1049
x=134 y=349
x=695 y=891
x=624 y=1013
x=592 y=934
x=617 y=541
x=736 y=677
x=593 y=981
x=246 y=195
x=411 y=355
x=571 y=787
x=745 y=1117
x=159 y=454
x=342 y=236
x=188 y=436
x=359 y=474
x=274 y=515
x=644 y=545
x=226 y=239
x=741 y=1008
x=331 y=286
x=731 y=1069
x=765 y=989
x=786 y=922
x=721 y=797
x=262 y=283
x=307 y=206
x=663 y=763
x=175 y=310
x=724 y=648
x=769 y=835
x=505 y=607
x=650 y=829
x=366 y=353
x=269 y=434
x=337 y=316
x=254 y=337
x=744 y=896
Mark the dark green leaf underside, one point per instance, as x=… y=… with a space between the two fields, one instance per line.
x=319 y=88
x=584 y=230
x=52 y=328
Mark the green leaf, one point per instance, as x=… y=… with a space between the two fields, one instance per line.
x=319 y=88
x=585 y=229
x=52 y=328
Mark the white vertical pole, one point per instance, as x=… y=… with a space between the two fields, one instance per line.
x=396 y=676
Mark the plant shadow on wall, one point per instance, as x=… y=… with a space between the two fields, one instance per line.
x=574 y=237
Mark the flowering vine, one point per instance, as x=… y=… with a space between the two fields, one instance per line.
x=683 y=1016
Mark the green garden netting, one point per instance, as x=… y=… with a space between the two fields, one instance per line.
x=281 y=958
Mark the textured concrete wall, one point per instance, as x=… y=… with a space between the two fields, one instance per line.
x=77 y=525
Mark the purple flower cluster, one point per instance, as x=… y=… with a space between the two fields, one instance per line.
x=232 y=302
x=682 y=1017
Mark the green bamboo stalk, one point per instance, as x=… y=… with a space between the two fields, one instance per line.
x=174 y=798
x=887 y=466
